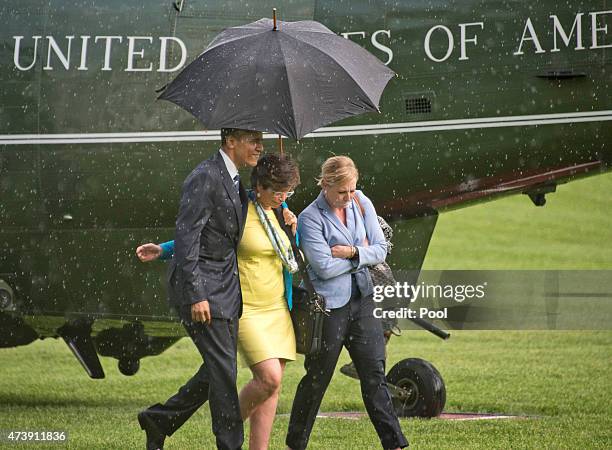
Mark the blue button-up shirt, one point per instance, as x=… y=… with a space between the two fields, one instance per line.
x=320 y=229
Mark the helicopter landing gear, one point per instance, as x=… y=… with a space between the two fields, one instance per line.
x=417 y=388
x=128 y=366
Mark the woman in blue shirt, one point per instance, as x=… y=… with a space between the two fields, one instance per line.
x=340 y=237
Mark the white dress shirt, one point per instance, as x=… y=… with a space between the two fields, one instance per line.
x=229 y=164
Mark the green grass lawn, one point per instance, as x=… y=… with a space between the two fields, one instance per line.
x=560 y=381
x=572 y=231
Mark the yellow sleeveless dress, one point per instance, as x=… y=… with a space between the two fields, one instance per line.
x=265 y=330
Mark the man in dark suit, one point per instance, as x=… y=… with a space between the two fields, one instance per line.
x=205 y=289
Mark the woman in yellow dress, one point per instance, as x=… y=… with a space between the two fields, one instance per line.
x=266 y=340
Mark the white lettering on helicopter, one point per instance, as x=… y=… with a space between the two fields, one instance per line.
x=439 y=45
x=451 y=41
x=558 y=30
x=135 y=51
x=445 y=39
x=374 y=40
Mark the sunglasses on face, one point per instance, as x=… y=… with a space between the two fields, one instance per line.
x=281 y=193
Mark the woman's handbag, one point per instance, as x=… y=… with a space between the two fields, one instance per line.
x=308 y=310
x=307 y=315
x=381 y=273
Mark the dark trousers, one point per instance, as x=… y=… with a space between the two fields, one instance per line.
x=214 y=381
x=354 y=327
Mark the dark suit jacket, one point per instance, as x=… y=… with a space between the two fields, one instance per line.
x=209 y=226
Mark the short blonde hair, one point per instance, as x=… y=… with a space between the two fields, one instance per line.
x=336 y=170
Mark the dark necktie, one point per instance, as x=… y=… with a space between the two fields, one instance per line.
x=237 y=184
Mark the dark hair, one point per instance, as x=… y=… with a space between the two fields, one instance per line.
x=236 y=133
x=277 y=172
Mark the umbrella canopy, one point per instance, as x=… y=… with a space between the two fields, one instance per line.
x=291 y=80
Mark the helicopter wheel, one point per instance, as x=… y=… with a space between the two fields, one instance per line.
x=417 y=388
x=129 y=366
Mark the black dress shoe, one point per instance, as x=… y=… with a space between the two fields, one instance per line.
x=155 y=438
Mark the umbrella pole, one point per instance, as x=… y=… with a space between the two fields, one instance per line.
x=280 y=138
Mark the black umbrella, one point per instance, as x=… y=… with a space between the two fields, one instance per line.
x=290 y=79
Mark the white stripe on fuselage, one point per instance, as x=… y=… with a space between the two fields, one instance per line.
x=352 y=130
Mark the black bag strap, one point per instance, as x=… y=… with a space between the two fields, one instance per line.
x=296 y=253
